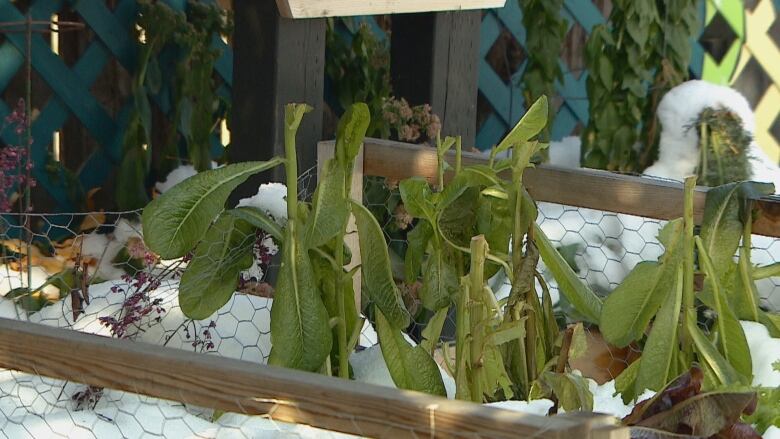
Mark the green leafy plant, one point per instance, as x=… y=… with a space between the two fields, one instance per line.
x=656 y=302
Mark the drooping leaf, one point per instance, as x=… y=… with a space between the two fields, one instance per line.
x=440 y=282
x=703 y=415
x=656 y=363
x=531 y=124
x=721 y=228
x=378 y=283
x=175 y=221
x=716 y=368
x=625 y=383
x=571 y=390
x=458 y=219
x=432 y=331
x=418 y=198
x=411 y=367
x=259 y=219
x=300 y=332
x=417 y=243
x=211 y=277
x=330 y=208
x=731 y=338
x=351 y=132
x=577 y=293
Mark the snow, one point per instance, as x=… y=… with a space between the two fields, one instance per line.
x=271 y=199
x=178 y=175
x=607 y=400
x=539 y=407
x=772 y=433
x=566 y=152
x=764 y=351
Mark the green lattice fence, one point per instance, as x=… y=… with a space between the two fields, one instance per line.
x=112 y=40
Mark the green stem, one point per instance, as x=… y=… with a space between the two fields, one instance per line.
x=688 y=252
x=479 y=250
x=745 y=266
x=766 y=271
x=462 y=324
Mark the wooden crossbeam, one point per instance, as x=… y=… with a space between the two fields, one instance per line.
x=280 y=394
x=593 y=189
x=339 y=8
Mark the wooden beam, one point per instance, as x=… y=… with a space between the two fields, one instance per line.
x=276 y=61
x=594 y=189
x=434 y=61
x=245 y=387
x=337 y=8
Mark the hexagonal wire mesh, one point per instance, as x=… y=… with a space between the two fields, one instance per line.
x=132 y=296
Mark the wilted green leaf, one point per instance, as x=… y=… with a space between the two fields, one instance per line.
x=440 y=283
x=571 y=390
x=212 y=276
x=417 y=197
x=411 y=368
x=417 y=243
x=351 y=132
x=531 y=124
x=658 y=356
x=378 y=283
x=330 y=208
x=577 y=293
x=715 y=366
x=258 y=219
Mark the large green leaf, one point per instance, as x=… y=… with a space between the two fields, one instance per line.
x=378 y=283
x=531 y=124
x=351 y=132
x=731 y=338
x=440 y=282
x=576 y=292
x=212 y=276
x=657 y=359
x=300 y=332
x=629 y=308
x=411 y=367
x=330 y=208
x=458 y=219
x=174 y=222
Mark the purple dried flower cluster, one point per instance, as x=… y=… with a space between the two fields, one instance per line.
x=14 y=163
x=411 y=124
x=137 y=307
x=203 y=343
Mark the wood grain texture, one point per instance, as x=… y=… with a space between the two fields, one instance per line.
x=594 y=189
x=281 y=394
x=338 y=8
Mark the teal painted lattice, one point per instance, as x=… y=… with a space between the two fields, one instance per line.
x=71 y=95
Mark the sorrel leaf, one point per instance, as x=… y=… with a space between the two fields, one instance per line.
x=212 y=276
x=411 y=367
x=378 y=283
x=174 y=222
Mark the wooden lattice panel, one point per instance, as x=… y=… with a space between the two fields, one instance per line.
x=71 y=86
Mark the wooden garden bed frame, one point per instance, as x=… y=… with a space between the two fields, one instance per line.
x=331 y=403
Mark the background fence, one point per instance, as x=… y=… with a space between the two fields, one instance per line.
x=81 y=105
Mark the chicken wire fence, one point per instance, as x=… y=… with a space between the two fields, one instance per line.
x=91 y=273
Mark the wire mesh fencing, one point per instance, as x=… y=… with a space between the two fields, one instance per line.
x=92 y=273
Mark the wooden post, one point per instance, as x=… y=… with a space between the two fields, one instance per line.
x=276 y=61
x=434 y=61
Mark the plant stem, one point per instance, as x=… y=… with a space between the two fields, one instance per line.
x=458 y=155
x=688 y=251
x=479 y=249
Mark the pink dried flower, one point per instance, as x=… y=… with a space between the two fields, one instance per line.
x=404 y=110
x=434 y=128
